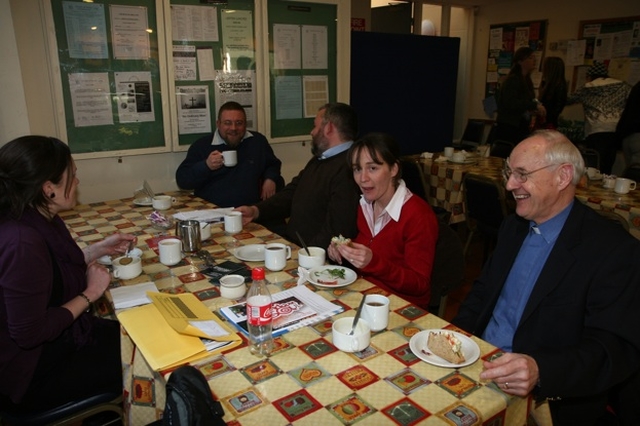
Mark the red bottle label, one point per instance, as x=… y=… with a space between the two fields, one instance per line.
x=259 y=315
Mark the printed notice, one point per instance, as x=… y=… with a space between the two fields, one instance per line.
x=86 y=29
x=135 y=96
x=90 y=99
x=129 y=32
x=193 y=109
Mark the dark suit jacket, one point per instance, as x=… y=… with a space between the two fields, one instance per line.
x=582 y=321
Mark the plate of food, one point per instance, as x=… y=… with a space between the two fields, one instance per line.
x=250 y=253
x=444 y=348
x=331 y=276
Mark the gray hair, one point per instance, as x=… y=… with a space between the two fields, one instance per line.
x=562 y=150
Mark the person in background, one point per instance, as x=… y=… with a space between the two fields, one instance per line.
x=322 y=201
x=256 y=176
x=397 y=230
x=52 y=350
x=603 y=99
x=628 y=128
x=560 y=294
x=553 y=92
x=516 y=99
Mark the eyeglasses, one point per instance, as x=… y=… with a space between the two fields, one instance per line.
x=229 y=123
x=521 y=177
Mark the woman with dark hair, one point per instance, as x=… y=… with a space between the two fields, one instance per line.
x=516 y=99
x=52 y=350
x=553 y=92
x=397 y=231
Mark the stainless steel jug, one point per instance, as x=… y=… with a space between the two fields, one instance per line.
x=189 y=233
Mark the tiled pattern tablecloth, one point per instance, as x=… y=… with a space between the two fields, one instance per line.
x=306 y=380
x=446 y=190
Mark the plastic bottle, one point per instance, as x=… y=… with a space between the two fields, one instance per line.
x=259 y=315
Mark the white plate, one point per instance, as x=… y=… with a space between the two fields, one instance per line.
x=465 y=161
x=142 y=202
x=319 y=273
x=250 y=253
x=418 y=345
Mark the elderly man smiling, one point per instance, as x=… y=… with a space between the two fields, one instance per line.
x=560 y=293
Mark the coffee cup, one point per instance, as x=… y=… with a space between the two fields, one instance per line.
x=205 y=230
x=276 y=255
x=316 y=257
x=170 y=251
x=624 y=185
x=608 y=182
x=593 y=173
x=458 y=156
x=162 y=202
x=230 y=158
x=376 y=311
x=356 y=342
x=233 y=222
x=232 y=286
x=448 y=151
x=126 y=269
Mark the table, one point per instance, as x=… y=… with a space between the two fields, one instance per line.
x=445 y=190
x=306 y=380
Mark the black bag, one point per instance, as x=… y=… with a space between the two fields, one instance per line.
x=189 y=400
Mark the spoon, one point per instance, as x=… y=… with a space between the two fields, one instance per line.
x=357 y=317
x=303 y=244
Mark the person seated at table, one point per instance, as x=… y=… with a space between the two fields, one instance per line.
x=255 y=177
x=322 y=201
x=397 y=230
x=52 y=350
x=560 y=294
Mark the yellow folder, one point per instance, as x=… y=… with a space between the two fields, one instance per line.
x=168 y=331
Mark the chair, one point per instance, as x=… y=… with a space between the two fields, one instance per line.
x=500 y=148
x=70 y=413
x=413 y=176
x=591 y=157
x=486 y=208
x=615 y=217
x=632 y=172
x=448 y=268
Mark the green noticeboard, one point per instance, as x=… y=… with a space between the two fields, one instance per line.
x=110 y=74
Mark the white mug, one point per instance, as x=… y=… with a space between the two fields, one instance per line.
x=448 y=151
x=162 y=202
x=316 y=257
x=233 y=222
x=128 y=270
x=356 y=342
x=230 y=158
x=276 y=255
x=170 y=251
x=624 y=185
x=376 y=311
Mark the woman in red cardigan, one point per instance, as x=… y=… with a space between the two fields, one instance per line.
x=397 y=231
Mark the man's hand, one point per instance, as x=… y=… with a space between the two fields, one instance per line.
x=215 y=160
x=268 y=189
x=515 y=374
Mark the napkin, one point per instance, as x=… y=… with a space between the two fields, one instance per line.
x=210 y=215
x=132 y=295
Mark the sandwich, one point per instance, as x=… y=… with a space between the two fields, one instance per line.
x=446 y=346
x=340 y=240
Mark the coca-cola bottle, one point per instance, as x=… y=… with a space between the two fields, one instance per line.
x=259 y=315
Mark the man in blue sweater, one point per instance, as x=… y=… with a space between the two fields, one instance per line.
x=256 y=177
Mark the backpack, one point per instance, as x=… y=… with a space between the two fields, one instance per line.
x=189 y=400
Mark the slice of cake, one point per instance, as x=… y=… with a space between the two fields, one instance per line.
x=446 y=346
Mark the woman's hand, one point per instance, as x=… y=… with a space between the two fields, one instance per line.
x=113 y=244
x=357 y=254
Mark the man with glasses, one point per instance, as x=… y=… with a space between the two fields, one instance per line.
x=255 y=177
x=560 y=294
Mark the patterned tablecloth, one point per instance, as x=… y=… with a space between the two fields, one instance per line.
x=446 y=190
x=306 y=380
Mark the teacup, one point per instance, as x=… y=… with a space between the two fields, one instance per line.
x=356 y=342
x=232 y=286
x=316 y=257
x=162 y=202
x=276 y=255
x=624 y=185
x=126 y=268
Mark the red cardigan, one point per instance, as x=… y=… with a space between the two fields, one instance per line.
x=403 y=252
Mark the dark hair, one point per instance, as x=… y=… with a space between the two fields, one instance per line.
x=381 y=147
x=231 y=106
x=26 y=163
x=342 y=116
x=553 y=79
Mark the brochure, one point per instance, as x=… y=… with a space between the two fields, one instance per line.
x=293 y=308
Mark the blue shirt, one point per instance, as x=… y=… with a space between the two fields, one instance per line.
x=336 y=150
x=522 y=278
